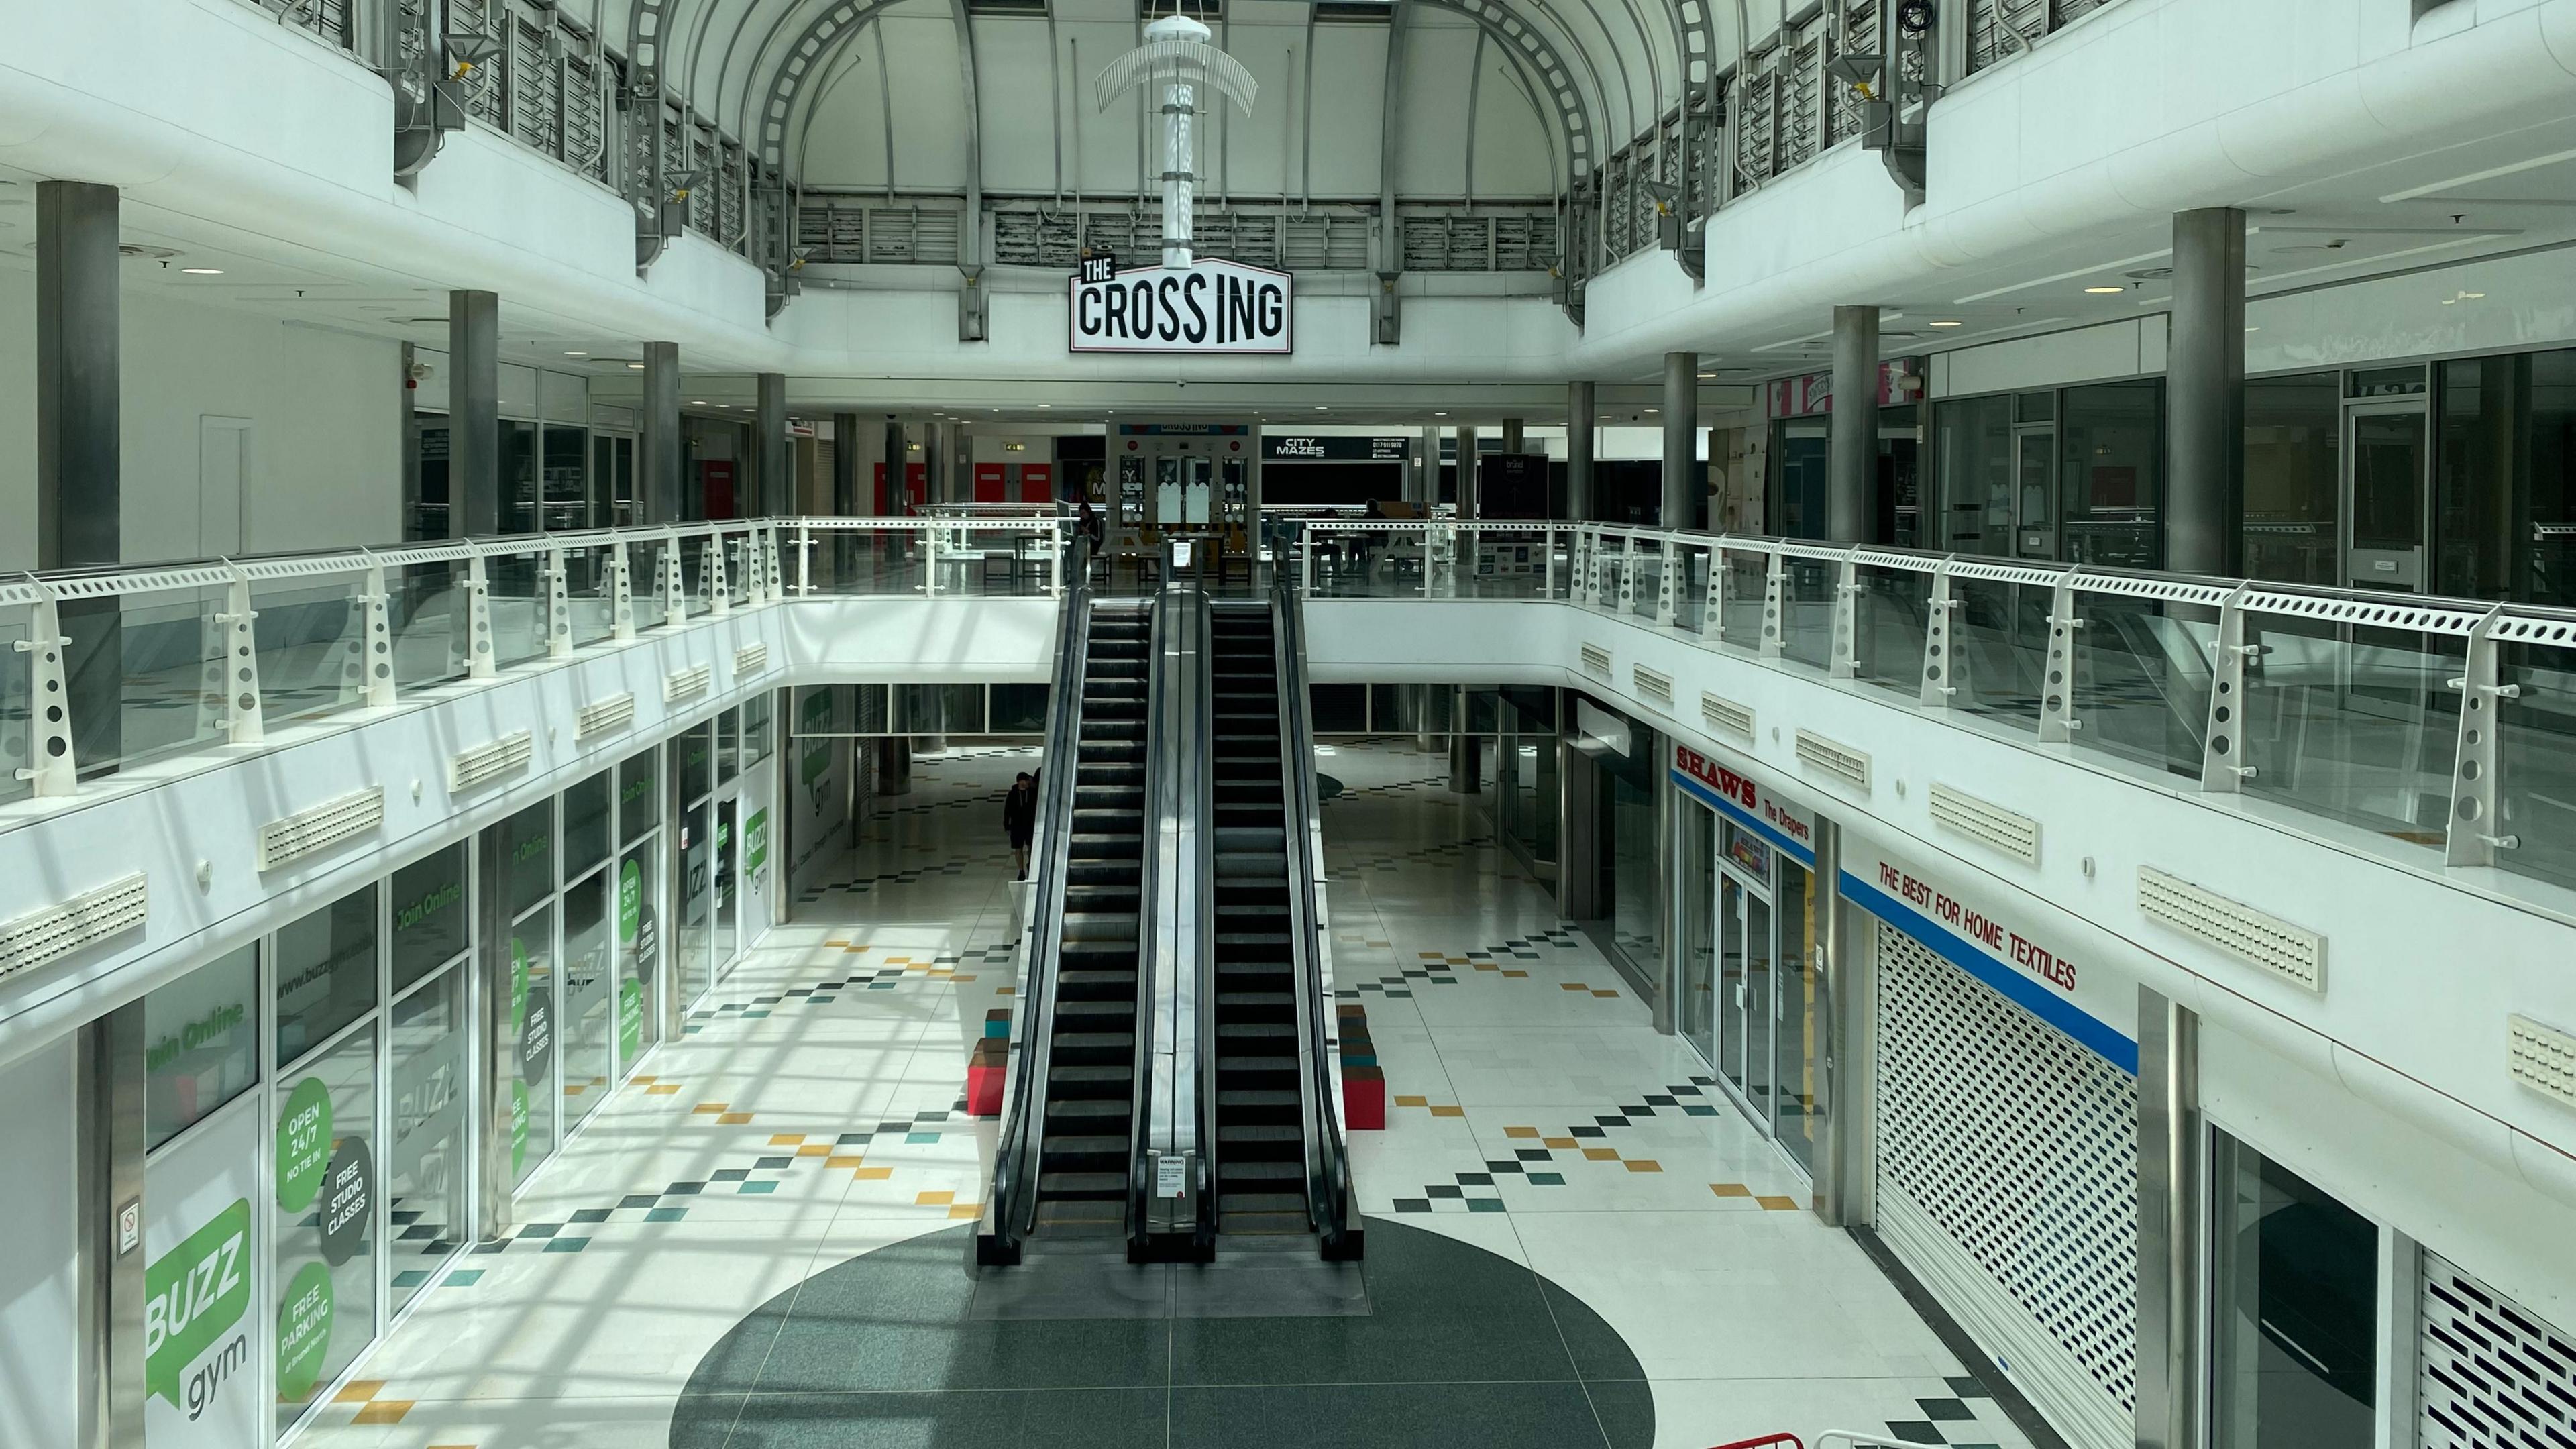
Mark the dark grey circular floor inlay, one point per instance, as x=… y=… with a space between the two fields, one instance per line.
x=1459 y=1347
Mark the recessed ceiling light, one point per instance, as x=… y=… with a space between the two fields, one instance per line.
x=1941 y=324
x=202 y=271
x=1319 y=407
x=576 y=354
x=1046 y=405
x=1650 y=412
x=2105 y=291
x=697 y=402
x=635 y=367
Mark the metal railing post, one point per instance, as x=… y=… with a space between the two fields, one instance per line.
x=52 y=770
x=1550 y=563
x=1668 y=592
x=755 y=569
x=1775 y=609
x=558 y=606
x=673 y=583
x=621 y=591
x=1305 y=558
x=770 y=565
x=2223 y=770
x=1430 y=543
x=239 y=665
x=2470 y=836
x=375 y=649
x=804 y=560
x=1940 y=659
x=2057 y=721
x=1845 y=663
x=1628 y=561
x=1712 y=614
x=930 y=559
x=479 y=659
x=712 y=577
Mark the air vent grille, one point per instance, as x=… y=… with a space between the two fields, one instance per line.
x=1596 y=660
x=602 y=716
x=687 y=683
x=1727 y=715
x=2290 y=952
x=321 y=827
x=1834 y=758
x=2011 y=832
x=750 y=659
x=490 y=761
x=1654 y=686
x=44 y=936
x=2543 y=1058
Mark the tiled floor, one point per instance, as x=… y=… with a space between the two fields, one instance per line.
x=813 y=1116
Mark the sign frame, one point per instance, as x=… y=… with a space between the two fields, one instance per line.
x=1153 y=280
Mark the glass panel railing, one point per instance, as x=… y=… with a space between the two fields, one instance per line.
x=2142 y=678
x=1808 y=628
x=17 y=722
x=1999 y=648
x=1891 y=611
x=2357 y=722
x=1747 y=580
x=309 y=637
x=515 y=594
x=167 y=651
x=696 y=580
x=427 y=607
x=2535 y=761
x=591 y=595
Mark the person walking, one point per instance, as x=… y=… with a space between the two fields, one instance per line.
x=1020 y=818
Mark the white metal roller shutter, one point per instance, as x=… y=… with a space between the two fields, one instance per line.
x=2007 y=1167
x=2491 y=1373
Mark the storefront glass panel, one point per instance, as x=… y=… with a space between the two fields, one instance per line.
x=324 y=1267
x=1975 y=441
x=2292 y=477
x=588 y=1010
x=1795 y=1017
x=639 y=986
x=531 y=1030
x=1697 y=871
x=425 y=1178
x=697 y=897
x=325 y=973
x=585 y=824
x=1636 y=872
x=2111 y=465
x=200 y=1044
x=429 y=927
x=2295 y=1287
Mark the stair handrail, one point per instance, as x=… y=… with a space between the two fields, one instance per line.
x=1176 y=737
x=1329 y=1195
x=1010 y=1209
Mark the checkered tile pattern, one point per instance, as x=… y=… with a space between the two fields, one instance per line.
x=1584 y=1141
x=1960 y=1417
x=1440 y=970
x=855 y=885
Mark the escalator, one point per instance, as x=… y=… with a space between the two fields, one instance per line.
x=1087 y=1141
x=1260 y=1111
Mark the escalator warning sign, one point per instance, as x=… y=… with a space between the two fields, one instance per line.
x=1170 y=1173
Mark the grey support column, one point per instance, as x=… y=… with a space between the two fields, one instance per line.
x=108 y=1149
x=474 y=414
x=1682 y=489
x=661 y=432
x=1579 y=896
x=898 y=458
x=776 y=453
x=1466 y=471
x=1466 y=756
x=1580 y=421
x=845 y=465
x=2169 y=1223
x=1430 y=485
x=1844 y=1176
x=1852 y=449
x=1513 y=440
x=80 y=514
x=2205 y=395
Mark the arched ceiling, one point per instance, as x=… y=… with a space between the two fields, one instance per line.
x=1497 y=98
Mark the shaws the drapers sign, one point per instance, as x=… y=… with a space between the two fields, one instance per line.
x=1207 y=306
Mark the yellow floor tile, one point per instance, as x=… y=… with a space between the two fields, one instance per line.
x=934 y=1199
x=786 y=1139
x=1517 y=975
x=1778 y=1204
x=383 y=1411
x=1448 y=1111
x=966 y=1210
x=1413 y=1101
x=839 y=1162
x=667 y=1089
x=1605 y=993
x=1561 y=1144
x=733 y=1119
x=1530 y=1132
x=708 y=1108
x=1644 y=1164
x=1602 y=1154
x=872 y=1174
x=815 y=1149
x=1730 y=1189
x=358 y=1391
x=1572 y=986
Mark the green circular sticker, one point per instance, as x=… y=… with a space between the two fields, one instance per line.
x=630 y=902
x=303 y=1144
x=518 y=982
x=303 y=1333
x=518 y=1127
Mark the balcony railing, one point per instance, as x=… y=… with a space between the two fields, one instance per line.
x=2441 y=723
x=110 y=669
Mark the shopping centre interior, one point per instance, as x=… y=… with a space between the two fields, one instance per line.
x=775 y=723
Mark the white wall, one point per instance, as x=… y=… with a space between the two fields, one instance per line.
x=324 y=414
x=37 y=1284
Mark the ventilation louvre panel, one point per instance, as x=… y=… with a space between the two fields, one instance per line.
x=1652 y=685
x=1727 y=715
x=2009 y=831
x=1834 y=758
x=750 y=659
x=602 y=716
x=1596 y=660
x=2489 y=1372
x=2293 y=953
x=321 y=827
x=1985 y=1113
x=42 y=937
x=687 y=683
x=491 y=760
x=2543 y=1058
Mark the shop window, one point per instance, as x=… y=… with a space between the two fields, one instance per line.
x=2111 y=466
x=756 y=741
x=528 y=856
x=588 y=1009
x=694 y=749
x=325 y=973
x=426 y=1170
x=1019 y=709
x=2294 y=1280
x=525 y=980
x=1975 y=439
x=325 y=1264
x=639 y=805
x=728 y=746
x=429 y=926
x=200 y=1044
x=2292 y=478
x=585 y=823
x=639 y=943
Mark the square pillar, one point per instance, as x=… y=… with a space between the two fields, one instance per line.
x=1681 y=439
x=474 y=415
x=2205 y=395
x=1851 y=460
x=777 y=495
x=661 y=490
x=1580 y=423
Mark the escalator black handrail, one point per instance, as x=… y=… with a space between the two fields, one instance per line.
x=1140 y=1166
x=1203 y=958
x=1328 y=1172
x=1012 y=1209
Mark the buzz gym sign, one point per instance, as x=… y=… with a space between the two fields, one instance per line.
x=1209 y=306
